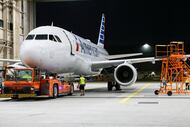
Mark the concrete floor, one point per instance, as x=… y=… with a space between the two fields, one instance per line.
x=135 y=106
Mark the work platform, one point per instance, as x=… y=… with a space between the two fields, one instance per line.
x=175 y=69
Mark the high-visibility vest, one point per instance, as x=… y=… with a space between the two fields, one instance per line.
x=187 y=80
x=82 y=80
x=27 y=77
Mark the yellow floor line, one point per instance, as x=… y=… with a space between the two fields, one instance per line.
x=125 y=100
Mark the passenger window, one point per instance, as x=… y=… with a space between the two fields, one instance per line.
x=41 y=37
x=51 y=37
x=30 y=37
x=58 y=39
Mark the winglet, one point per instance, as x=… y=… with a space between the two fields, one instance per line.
x=101 y=37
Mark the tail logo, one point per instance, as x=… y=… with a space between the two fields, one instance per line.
x=101 y=37
x=102 y=30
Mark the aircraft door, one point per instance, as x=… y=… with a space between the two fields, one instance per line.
x=71 y=42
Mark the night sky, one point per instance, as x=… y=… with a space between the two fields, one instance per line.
x=129 y=23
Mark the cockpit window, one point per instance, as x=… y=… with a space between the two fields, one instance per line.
x=58 y=39
x=51 y=37
x=41 y=37
x=30 y=37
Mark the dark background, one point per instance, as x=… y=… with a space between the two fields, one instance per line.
x=129 y=23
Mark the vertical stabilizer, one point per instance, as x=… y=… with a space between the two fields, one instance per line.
x=101 y=37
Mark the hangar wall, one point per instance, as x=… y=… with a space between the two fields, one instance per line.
x=17 y=18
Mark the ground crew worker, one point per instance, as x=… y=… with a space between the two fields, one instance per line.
x=164 y=83
x=82 y=83
x=187 y=84
x=27 y=76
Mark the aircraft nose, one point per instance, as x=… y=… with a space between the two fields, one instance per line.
x=29 y=53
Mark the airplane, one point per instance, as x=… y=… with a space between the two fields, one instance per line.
x=57 y=50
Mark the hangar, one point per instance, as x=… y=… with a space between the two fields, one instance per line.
x=134 y=106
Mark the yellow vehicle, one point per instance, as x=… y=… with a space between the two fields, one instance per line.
x=29 y=82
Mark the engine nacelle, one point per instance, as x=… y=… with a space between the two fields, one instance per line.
x=125 y=74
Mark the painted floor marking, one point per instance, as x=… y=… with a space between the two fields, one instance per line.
x=126 y=100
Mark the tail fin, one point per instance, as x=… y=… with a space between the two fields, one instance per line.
x=101 y=33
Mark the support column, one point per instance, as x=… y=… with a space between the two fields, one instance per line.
x=29 y=16
x=26 y=17
x=16 y=28
x=32 y=4
x=5 y=19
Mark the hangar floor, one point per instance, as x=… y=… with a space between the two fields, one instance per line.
x=135 y=106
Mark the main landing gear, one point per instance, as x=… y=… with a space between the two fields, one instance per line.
x=112 y=84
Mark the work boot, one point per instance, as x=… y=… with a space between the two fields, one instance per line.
x=82 y=93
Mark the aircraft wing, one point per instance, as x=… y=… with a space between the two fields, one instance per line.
x=123 y=55
x=110 y=63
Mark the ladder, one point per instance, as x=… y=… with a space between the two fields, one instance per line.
x=175 y=69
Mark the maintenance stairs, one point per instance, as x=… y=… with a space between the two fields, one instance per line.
x=175 y=69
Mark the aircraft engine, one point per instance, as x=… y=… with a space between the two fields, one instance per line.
x=125 y=74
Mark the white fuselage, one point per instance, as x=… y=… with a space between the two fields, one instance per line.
x=73 y=54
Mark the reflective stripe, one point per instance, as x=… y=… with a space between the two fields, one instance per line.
x=19 y=95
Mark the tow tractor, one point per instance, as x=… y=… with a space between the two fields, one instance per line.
x=17 y=85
